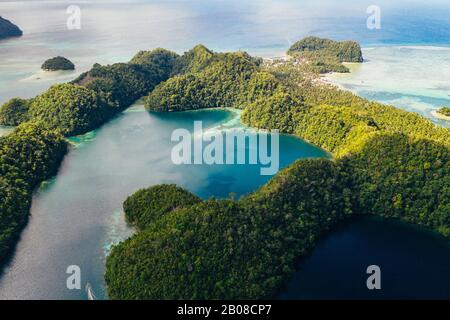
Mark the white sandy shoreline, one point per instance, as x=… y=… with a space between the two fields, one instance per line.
x=439 y=115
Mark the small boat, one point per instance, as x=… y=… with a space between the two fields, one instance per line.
x=90 y=292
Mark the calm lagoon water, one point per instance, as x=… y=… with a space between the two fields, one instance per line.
x=77 y=216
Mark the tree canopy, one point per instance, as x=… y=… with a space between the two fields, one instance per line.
x=70 y=108
x=14 y=112
x=147 y=205
x=387 y=162
x=326 y=55
x=57 y=63
x=28 y=156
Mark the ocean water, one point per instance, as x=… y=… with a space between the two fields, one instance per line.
x=77 y=216
x=414 y=78
x=113 y=31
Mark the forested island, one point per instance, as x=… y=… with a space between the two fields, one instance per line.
x=58 y=63
x=326 y=55
x=386 y=162
x=8 y=29
x=444 y=113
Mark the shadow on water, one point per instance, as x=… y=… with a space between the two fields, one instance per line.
x=414 y=263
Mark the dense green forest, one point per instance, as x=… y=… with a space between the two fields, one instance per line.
x=28 y=156
x=57 y=63
x=324 y=55
x=14 y=112
x=207 y=80
x=224 y=249
x=400 y=176
x=70 y=108
x=147 y=205
x=345 y=51
x=387 y=162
